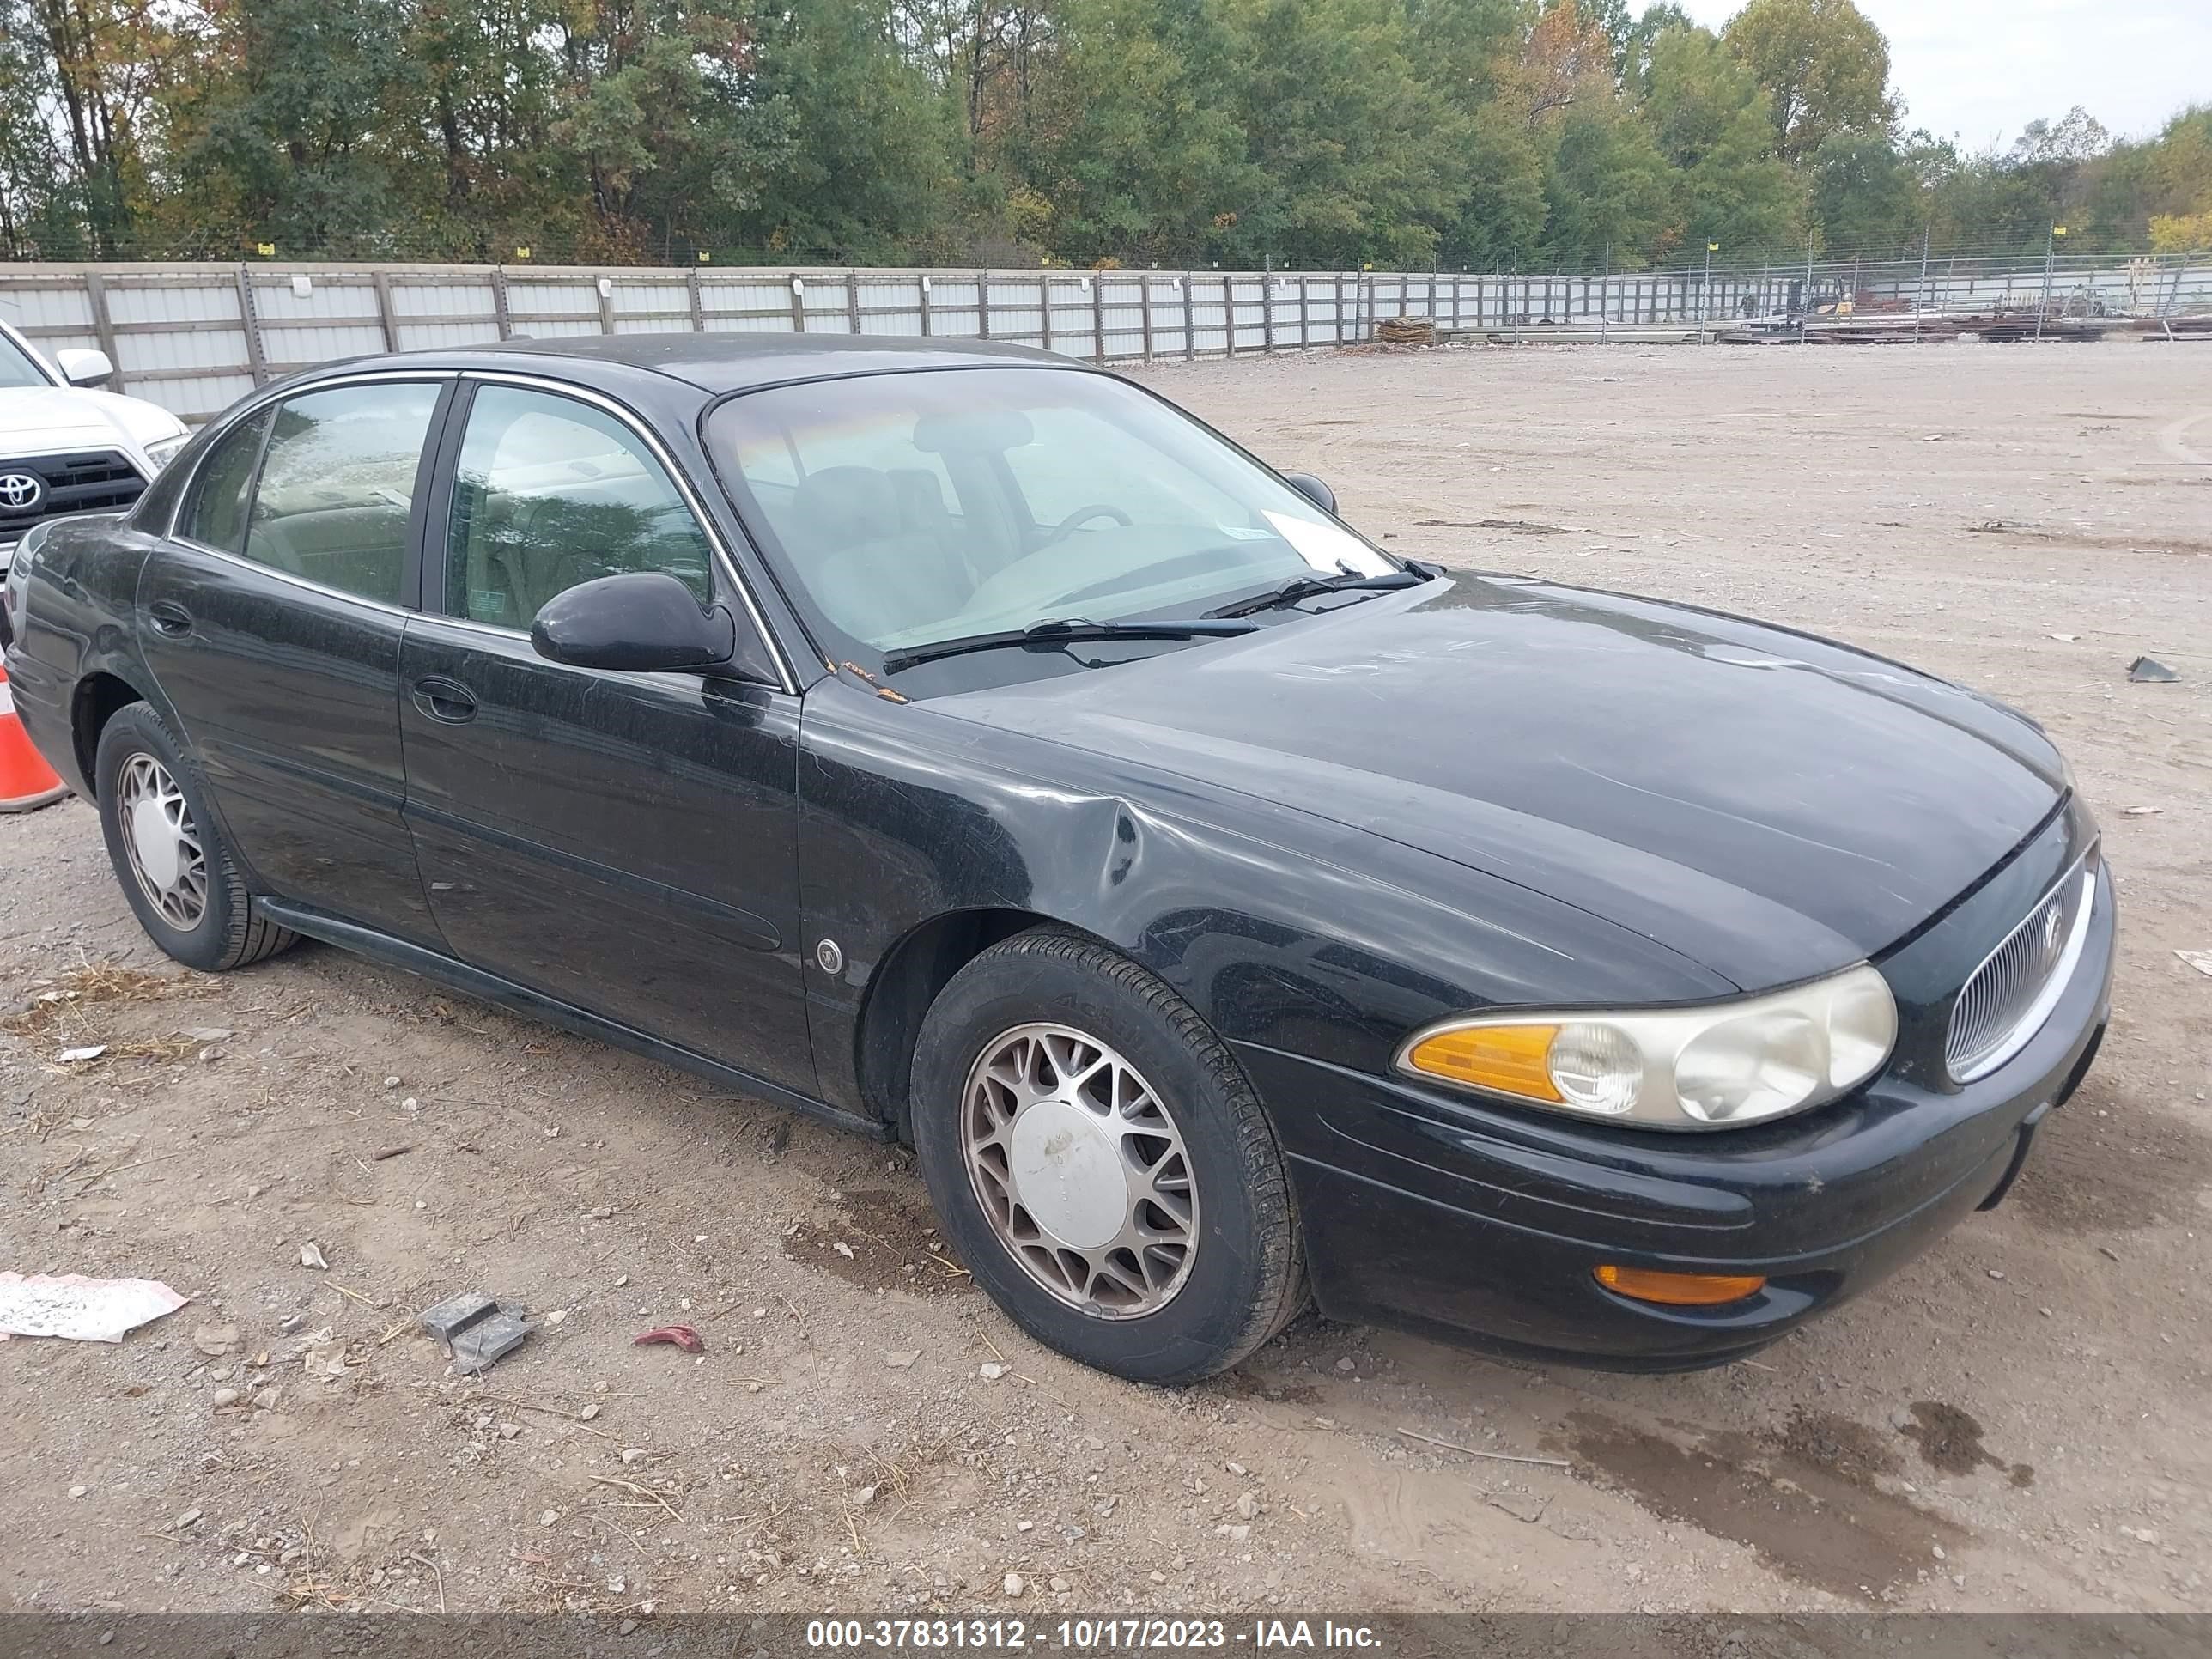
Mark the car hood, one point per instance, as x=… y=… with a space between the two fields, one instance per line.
x=1771 y=804
x=45 y=420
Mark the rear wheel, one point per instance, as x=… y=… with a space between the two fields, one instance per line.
x=177 y=871
x=1100 y=1163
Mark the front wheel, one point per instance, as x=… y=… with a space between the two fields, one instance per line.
x=1100 y=1163
x=176 y=870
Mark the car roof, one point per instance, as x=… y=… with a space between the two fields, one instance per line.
x=718 y=363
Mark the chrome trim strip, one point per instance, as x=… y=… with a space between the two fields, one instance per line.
x=532 y=382
x=2031 y=1019
x=468 y=625
x=257 y=403
x=297 y=580
x=628 y=418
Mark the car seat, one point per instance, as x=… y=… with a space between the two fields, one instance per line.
x=873 y=571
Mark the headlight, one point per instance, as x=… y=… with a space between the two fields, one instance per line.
x=1710 y=1067
x=162 y=450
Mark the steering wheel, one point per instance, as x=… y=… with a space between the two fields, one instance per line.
x=1083 y=515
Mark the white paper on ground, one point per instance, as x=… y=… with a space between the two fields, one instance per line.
x=83 y=1309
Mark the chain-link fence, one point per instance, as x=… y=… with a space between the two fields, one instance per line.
x=192 y=338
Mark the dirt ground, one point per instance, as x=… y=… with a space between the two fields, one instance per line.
x=2018 y=1421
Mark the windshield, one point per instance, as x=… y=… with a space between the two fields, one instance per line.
x=18 y=367
x=908 y=508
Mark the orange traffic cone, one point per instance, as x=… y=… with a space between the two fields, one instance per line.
x=26 y=780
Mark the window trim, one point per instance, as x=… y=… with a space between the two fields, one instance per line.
x=448 y=460
x=269 y=398
x=188 y=498
x=277 y=394
x=426 y=456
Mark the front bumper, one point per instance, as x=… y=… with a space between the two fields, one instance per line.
x=1482 y=1224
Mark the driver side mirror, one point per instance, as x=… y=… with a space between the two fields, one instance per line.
x=1313 y=489
x=82 y=367
x=642 y=621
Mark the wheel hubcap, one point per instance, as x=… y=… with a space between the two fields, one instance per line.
x=1080 y=1170
x=162 y=842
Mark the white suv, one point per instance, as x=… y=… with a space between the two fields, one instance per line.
x=66 y=448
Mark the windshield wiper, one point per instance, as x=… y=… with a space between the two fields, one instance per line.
x=1304 y=587
x=1064 y=631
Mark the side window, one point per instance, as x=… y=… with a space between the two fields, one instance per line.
x=549 y=492
x=334 y=495
x=216 y=514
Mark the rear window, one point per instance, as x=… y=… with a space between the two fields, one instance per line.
x=216 y=516
x=336 y=489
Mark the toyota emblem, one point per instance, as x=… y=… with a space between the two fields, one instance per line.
x=20 y=492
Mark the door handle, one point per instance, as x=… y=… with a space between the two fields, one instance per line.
x=445 y=701
x=170 y=618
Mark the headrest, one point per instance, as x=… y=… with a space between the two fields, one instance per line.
x=841 y=507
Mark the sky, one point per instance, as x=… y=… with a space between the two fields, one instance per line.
x=1979 y=70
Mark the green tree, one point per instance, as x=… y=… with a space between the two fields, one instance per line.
x=1864 y=199
x=1633 y=33
x=1635 y=48
x=1457 y=44
x=1825 y=65
x=1605 y=187
x=39 y=213
x=1501 y=215
x=835 y=141
x=473 y=106
x=1712 y=123
x=95 y=73
x=1356 y=158
x=1140 y=153
x=285 y=137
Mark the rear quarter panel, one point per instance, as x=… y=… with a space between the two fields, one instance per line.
x=79 y=618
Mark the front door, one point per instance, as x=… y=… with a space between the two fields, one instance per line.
x=624 y=842
x=272 y=622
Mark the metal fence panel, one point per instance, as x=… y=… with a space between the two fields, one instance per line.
x=192 y=338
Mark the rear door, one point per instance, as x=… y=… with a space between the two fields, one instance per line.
x=271 y=619
x=625 y=842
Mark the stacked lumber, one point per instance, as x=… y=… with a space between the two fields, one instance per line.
x=1406 y=331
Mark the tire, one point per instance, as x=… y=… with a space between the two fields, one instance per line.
x=1182 y=1311
x=210 y=925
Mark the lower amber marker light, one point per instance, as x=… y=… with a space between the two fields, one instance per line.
x=1679 y=1290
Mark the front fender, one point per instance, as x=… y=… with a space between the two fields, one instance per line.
x=1283 y=928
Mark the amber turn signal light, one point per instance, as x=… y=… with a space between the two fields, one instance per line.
x=1679 y=1290
x=1513 y=1060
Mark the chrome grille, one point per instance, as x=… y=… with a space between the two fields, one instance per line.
x=2007 y=999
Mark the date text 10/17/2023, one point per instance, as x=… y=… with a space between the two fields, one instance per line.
x=1089 y=1634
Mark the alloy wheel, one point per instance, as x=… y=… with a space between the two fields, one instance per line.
x=1080 y=1170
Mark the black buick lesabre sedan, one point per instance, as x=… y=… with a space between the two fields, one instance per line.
x=964 y=745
